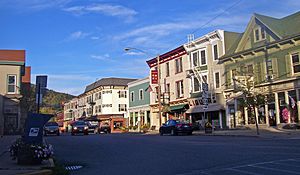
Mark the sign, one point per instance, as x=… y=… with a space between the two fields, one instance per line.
x=41 y=80
x=33 y=132
x=154 y=77
x=34 y=126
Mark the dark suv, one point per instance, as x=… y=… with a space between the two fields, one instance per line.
x=51 y=128
x=104 y=128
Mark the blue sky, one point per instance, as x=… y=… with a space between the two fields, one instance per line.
x=76 y=42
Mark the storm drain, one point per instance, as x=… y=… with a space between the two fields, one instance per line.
x=73 y=167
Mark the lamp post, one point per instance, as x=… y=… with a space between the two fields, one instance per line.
x=158 y=81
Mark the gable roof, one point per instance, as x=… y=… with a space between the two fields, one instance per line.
x=109 y=82
x=283 y=28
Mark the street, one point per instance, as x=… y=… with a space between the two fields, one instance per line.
x=182 y=155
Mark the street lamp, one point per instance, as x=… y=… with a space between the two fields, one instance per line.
x=158 y=81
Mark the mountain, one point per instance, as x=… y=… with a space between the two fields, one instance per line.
x=51 y=104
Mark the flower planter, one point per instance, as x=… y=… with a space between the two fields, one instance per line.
x=25 y=159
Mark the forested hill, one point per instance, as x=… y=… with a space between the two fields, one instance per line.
x=52 y=100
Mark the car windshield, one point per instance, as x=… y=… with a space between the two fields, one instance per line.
x=51 y=124
x=79 y=123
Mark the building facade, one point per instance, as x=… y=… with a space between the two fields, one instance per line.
x=139 y=117
x=267 y=58
x=174 y=86
x=203 y=54
x=13 y=76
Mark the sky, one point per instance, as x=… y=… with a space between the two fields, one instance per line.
x=76 y=42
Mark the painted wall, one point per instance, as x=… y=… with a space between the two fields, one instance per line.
x=136 y=90
x=6 y=70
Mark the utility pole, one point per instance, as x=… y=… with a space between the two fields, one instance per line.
x=159 y=91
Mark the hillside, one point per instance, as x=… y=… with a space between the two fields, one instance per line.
x=52 y=100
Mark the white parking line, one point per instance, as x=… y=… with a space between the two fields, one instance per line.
x=241 y=171
x=275 y=169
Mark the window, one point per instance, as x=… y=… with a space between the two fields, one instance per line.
x=269 y=67
x=11 y=84
x=132 y=96
x=141 y=94
x=167 y=88
x=233 y=73
x=196 y=85
x=250 y=69
x=195 y=59
x=167 y=69
x=178 y=64
x=203 y=57
x=122 y=94
x=106 y=105
x=217 y=79
x=296 y=63
x=204 y=78
x=122 y=107
x=259 y=34
x=179 y=89
x=216 y=52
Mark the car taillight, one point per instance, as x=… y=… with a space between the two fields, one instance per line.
x=190 y=124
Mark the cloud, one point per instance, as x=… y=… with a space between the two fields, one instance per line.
x=105 y=9
x=95 y=38
x=134 y=53
x=34 y=4
x=77 y=35
x=105 y=57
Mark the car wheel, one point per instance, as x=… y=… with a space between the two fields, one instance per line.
x=173 y=132
x=190 y=133
x=161 y=133
x=72 y=134
x=58 y=133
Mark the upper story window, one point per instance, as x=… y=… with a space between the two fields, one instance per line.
x=217 y=79
x=132 y=96
x=179 y=89
x=141 y=94
x=295 y=62
x=167 y=88
x=259 y=34
x=233 y=73
x=196 y=85
x=216 y=56
x=12 y=84
x=122 y=94
x=203 y=57
x=178 y=64
x=167 y=69
x=122 y=107
x=195 y=59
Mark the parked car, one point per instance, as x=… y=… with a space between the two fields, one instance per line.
x=79 y=127
x=93 y=126
x=174 y=127
x=51 y=128
x=104 y=128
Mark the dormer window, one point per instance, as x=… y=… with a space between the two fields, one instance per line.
x=259 y=34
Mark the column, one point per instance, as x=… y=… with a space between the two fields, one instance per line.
x=235 y=112
x=220 y=119
x=139 y=121
x=277 y=109
x=246 y=115
x=227 y=114
x=256 y=114
x=133 y=118
x=145 y=117
x=129 y=119
x=190 y=118
x=286 y=98
x=267 y=114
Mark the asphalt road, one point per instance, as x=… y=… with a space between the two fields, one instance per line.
x=134 y=154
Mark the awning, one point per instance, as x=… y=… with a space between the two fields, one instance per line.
x=211 y=107
x=179 y=107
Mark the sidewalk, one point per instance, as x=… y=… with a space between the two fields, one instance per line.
x=269 y=132
x=10 y=167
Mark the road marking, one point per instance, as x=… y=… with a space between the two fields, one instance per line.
x=285 y=164
x=275 y=169
x=241 y=171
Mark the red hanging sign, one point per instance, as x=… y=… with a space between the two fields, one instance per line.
x=154 y=77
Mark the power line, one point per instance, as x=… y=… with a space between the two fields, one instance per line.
x=212 y=19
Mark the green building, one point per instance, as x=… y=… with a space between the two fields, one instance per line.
x=266 y=56
x=139 y=110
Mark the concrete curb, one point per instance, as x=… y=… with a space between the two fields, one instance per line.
x=40 y=172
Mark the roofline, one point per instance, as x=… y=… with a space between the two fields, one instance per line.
x=255 y=15
x=139 y=80
x=228 y=57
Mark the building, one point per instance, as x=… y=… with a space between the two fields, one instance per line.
x=203 y=56
x=71 y=113
x=14 y=76
x=174 y=86
x=139 y=105
x=267 y=57
x=105 y=101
